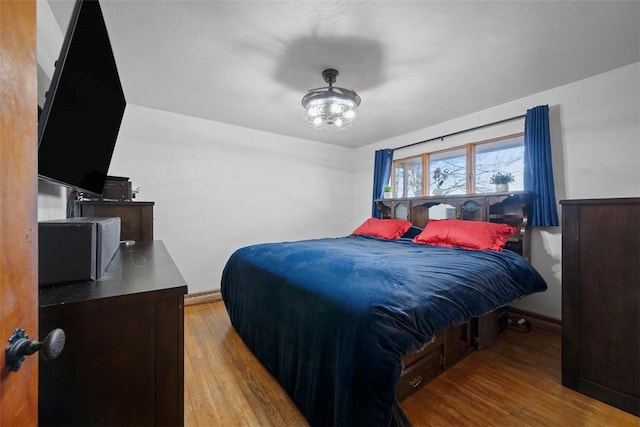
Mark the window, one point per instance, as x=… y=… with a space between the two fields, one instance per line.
x=407 y=177
x=461 y=170
x=448 y=170
x=504 y=156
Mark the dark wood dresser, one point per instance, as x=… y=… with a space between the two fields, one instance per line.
x=601 y=300
x=136 y=218
x=123 y=362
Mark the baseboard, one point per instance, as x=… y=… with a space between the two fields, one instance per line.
x=537 y=320
x=202 y=297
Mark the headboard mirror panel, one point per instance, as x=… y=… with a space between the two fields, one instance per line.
x=442 y=211
x=508 y=208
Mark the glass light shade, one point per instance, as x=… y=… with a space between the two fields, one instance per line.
x=330 y=109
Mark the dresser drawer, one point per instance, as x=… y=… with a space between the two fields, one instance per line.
x=419 y=372
x=411 y=358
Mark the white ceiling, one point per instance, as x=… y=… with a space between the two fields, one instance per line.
x=414 y=63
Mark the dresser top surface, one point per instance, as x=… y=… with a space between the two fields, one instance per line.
x=618 y=200
x=116 y=203
x=145 y=266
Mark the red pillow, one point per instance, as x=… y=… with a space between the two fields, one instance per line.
x=465 y=234
x=383 y=228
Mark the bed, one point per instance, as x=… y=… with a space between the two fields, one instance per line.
x=340 y=322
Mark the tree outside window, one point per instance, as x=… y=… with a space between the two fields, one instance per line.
x=505 y=156
x=448 y=172
x=408 y=177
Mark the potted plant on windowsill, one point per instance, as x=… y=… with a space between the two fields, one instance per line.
x=501 y=180
x=387 y=191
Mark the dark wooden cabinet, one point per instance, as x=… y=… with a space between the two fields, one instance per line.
x=601 y=300
x=420 y=367
x=123 y=362
x=447 y=348
x=136 y=218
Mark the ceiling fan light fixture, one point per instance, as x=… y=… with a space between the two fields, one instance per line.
x=330 y=107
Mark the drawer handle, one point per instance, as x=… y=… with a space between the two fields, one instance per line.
x=415 y=382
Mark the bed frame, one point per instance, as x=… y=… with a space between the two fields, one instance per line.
x=452 y=344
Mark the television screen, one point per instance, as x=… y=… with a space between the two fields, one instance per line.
x=83 y=109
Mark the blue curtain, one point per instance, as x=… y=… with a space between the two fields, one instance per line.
x=538 y=170
x=381 y=175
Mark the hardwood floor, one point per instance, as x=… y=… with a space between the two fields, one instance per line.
x=515 y=383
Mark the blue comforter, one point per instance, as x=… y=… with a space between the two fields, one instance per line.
x=331 y=318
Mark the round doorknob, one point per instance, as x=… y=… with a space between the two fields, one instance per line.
x=20 y=346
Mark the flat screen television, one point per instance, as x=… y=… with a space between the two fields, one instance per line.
x=83 y=109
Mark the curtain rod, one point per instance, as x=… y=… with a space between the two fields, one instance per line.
x=462 y=131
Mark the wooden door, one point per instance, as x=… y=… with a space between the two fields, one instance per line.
x=18 y=205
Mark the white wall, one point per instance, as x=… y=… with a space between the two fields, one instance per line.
x=218 y=187
x=595 y=134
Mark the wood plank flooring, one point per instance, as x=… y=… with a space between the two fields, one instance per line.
x=515 y=383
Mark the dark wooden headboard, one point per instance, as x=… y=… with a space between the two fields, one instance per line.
x=509 y=208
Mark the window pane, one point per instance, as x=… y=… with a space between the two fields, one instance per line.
x=448 y=172
x=408 y=177
x=506 y=156
x=398 y=187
